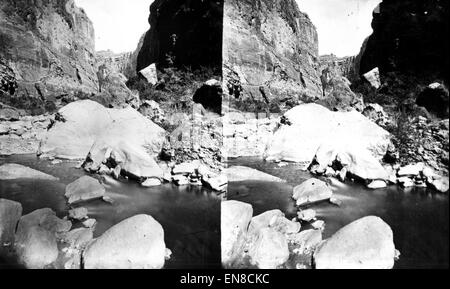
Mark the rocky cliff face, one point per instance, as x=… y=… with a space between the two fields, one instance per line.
x=111 y=73
x=270 y=55
x=345 y=66
x=49 y=47
x=409 y=37
x=335 y=77
x=120 y=62
x=183 y=33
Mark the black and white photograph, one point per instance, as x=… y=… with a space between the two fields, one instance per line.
x=224 y=135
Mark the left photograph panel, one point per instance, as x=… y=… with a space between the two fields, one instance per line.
x=111 y=134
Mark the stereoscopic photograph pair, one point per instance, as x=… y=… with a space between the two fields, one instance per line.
x=224 y=134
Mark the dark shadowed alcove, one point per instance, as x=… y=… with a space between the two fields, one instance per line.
x=183 y=33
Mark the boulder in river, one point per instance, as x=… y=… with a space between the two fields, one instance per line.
x=377 y=184
x=185 y=168
x=216 y=183
x=87 y=130
x=411 y=170
x=135 y=243
x=36 y=238
x=312 y=191
x=307 y=127
x=10 y=213
x=132 y=160
x=71 y=245
x=405 y=182
x=241 y=173
x=264 y=220
x=306 y=241
x=84 y=189
x=44 y=218
x=440 y=184
x=269 y=250
x=15 y=171
x=78 y=213
x=274 y=219
x=318 y=225
x=307 y=215
x=152 y=182
x=36 y=248
x=366 y=243
x=90 y=223
x=180 y=180
x=78 y=238
x=235 y=219
x=357 y=162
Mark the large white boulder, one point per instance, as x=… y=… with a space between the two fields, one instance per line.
x=235 y=219
x=135 y=243
x=366 y=243
x=310 y=127
x=81 y=124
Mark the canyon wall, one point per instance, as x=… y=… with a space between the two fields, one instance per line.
x=48 y=49
x=183 y=33
x=336 y=76
x=270 y=55
x=409 y=37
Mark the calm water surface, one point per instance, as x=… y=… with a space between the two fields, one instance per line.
x=189 y=215
x=419 y=218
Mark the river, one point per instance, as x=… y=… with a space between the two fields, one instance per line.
x=418 y=217
x=190 y=215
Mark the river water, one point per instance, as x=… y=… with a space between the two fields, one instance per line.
x=419 y=218
x=189 y=215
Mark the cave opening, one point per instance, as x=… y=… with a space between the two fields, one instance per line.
x=210 y=97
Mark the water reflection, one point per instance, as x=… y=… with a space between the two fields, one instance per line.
x=189 y=215
x=418 y=217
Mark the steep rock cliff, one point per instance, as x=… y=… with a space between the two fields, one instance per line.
x=409 y=37
x=270 y=55
x=119 y=62
x=183 y=33
x=335 y=77
x=49 y=47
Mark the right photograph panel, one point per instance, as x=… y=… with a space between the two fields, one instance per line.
x=335 y=134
